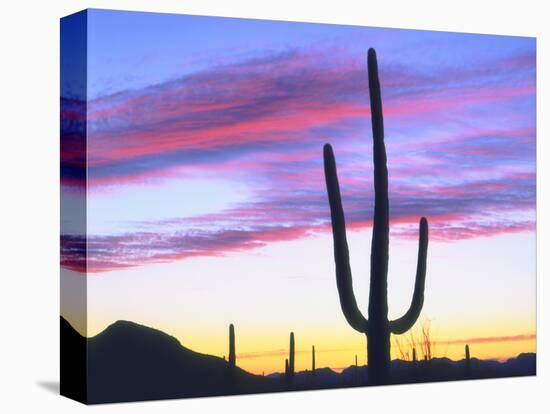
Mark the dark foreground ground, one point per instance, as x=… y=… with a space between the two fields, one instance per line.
x=131 y=362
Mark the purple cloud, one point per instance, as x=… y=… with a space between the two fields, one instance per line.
x=461 y=150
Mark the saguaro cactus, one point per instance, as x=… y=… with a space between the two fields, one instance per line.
x=356 y=371
x=232 y=356
x=415 y=364
x=377 y=328
x=313 y=358
x=291 y=357
x=468 y=362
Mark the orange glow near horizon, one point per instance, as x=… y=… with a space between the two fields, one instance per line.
x=290 y=286
x=266 y=353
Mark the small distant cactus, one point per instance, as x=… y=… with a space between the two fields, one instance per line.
x=377 y=328
x=415 y=371
x=313 y=358
x=232 y=356
x=291 y=358
x=312 y=375
x=468 y=362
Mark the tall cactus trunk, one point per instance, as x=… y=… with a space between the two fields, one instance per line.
x=232 y=356
x=378 y=349
x=377 y=328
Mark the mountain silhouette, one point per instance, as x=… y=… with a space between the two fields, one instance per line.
x=73 y=361
x=132 y=362
x=323 y=378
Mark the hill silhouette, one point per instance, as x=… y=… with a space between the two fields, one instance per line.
x=132 y=362
x=129 y=362
x=72 y=363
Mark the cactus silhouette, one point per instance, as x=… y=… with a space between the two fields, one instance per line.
x=468 y=364
x=291 y=358
x=232 y=357
x=312 y=375
x=377 y=328
x=313 y=358
x=415 y=372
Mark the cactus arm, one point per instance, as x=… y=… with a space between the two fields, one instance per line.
x=406 y=322
x=341 y=252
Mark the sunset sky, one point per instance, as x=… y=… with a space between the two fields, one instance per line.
x=206 y=201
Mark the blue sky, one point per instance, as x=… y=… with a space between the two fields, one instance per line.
x=204 y=150
x=129 y=50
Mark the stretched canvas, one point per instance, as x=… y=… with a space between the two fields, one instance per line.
x=252 y=206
